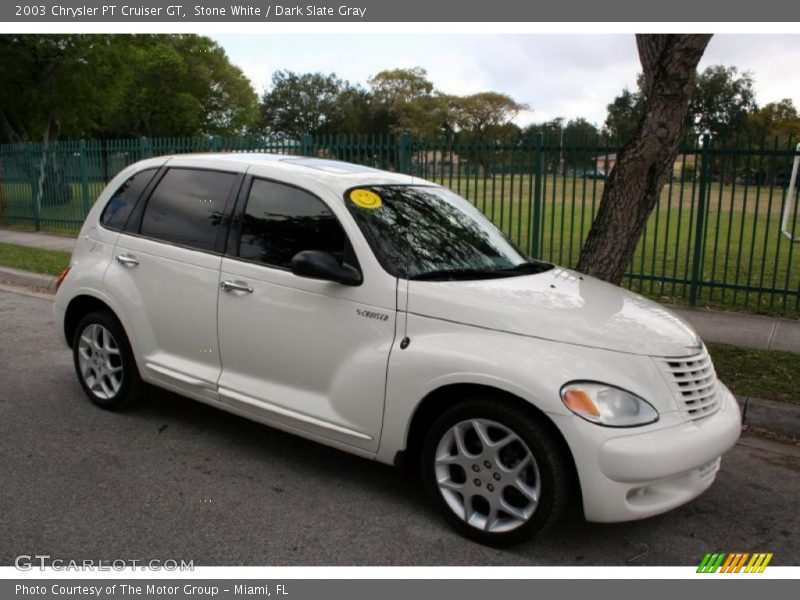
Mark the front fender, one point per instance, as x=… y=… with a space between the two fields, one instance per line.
x=442 y=353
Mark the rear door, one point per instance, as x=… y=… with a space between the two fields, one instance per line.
x=305 y=354
x=166 y=272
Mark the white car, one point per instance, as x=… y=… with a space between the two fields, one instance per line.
x=384 y=315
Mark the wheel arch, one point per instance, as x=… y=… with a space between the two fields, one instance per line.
x=79 y=307
x=442 y=398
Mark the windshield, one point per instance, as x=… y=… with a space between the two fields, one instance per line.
x=422 y=232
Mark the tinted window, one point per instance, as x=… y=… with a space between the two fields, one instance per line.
x=281 y=221
x=186 y=207
x=119 y=207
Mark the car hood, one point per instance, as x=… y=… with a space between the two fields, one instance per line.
x=559 y=305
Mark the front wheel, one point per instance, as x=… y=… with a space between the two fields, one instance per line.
x=495 y=472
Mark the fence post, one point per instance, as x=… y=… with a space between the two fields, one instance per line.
x=3 y=209
x=37 y=208
x=538 y=157
x=700 y=225
x=87 y=204
x=306 y=145
x=405 y=153
x=144 y=148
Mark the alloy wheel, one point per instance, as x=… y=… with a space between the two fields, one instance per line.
x=100 y=361
x=487 y=475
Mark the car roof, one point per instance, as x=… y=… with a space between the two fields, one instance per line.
x=337 y=174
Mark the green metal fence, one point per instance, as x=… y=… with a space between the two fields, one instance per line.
x=714 y=237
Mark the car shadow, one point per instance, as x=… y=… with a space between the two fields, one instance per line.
x=270 y=444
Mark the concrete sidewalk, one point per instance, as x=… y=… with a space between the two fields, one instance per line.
x=739 y=329
x=35 y=239
x=736 y=329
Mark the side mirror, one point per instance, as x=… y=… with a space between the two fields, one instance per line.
x=316 y=264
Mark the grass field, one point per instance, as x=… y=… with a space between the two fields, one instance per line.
x=769 y=374
x=746 y=263
x=49 y=262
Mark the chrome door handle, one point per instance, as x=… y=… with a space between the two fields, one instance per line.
x=127 y=260
x=235 y=286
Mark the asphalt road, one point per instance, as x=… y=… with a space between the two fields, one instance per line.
x=176 y=479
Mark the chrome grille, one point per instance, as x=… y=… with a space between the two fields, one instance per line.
x=694 y=382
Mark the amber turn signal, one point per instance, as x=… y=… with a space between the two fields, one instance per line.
x=580 y=402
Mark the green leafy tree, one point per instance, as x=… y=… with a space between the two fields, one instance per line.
x=624 y=115
x=404 y=100
x=722 y=100
x=484 y=124
x=355 y=116
x=313 y=103
x=53 y=85
x=181 y=85
x=425 y=117
x=550 y=129
x=399 y=86
x=776 y=119
x=120 y=86
x=571 y=143
x=484 y=112
x=552 y=136
x=580 y=137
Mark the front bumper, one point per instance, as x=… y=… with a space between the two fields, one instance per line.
x=628 y=474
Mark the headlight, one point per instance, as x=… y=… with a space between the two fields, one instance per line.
x=606 y=405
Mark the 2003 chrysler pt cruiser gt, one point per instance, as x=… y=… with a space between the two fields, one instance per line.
x=384 y=315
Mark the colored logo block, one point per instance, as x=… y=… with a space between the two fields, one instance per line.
x=736 y=562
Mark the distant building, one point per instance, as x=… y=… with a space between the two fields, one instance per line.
x=683 y=163
x=438 y=163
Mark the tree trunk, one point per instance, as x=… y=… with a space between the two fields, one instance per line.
x=3 y=219
x=42 y=164
x=8 y=132
x=643 y=165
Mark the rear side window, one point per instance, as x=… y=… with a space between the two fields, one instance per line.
x=281 y=221
x=121 y=204
x=186 y=207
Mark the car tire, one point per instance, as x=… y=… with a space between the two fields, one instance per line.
x=104 y=362
x=495 y=472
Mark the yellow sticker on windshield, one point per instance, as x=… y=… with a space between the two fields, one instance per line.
x=365 y=199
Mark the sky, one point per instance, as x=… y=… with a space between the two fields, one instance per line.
x=557 y=75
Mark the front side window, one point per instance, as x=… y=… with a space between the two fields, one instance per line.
x=420 y=232
x=121 y=204
x=186 y=207
x=281 y=220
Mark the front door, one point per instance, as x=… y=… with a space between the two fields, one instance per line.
x=309 y=356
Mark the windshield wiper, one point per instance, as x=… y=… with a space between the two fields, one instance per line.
x=455 y=274
x=530 y=267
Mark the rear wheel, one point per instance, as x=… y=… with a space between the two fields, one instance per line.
x=496 y=474
x=104 y=362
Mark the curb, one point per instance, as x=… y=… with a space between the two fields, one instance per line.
x=28 y=279
x=780 y=417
